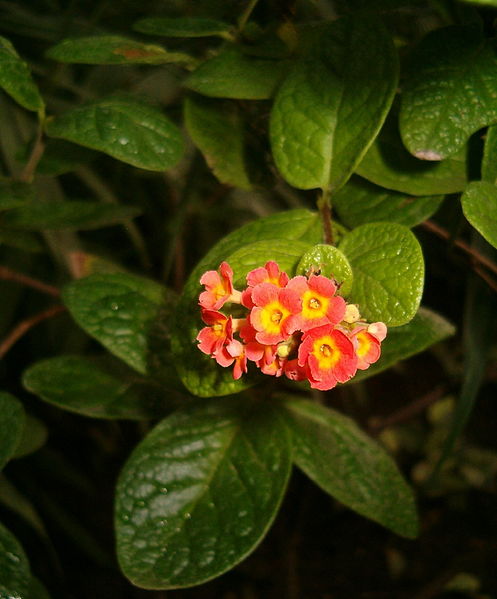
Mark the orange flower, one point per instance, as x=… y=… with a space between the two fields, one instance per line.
x=271 y=313
x=218 y=288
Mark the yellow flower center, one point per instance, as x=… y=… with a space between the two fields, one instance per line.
x=314 y=305
x=276 y=316
x=326 y=352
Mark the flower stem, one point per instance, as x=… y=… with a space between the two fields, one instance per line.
x=324 y=207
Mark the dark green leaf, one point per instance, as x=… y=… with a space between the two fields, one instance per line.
x=489 y=161
x=11 y=427
x=388 y=269
x=86 y=387
x=15 y=576
x=14 y=194
x=126 y=314
x=329 y=109
x=61 y=157
x=479 y=204
x=200 y=492
x=450 y=91
x=424 y=330
x=361 y=202
x=73 y=215
x=37 y=590
x=330 y=262
x=16 y=80
x=347 y=464
x=199 y=373
x=183 y=27
x=124 y=128
x=389 y=164
x=233 y=74
x=21 y=240
x=217 y=130
x=112 y=49
x=34 y=436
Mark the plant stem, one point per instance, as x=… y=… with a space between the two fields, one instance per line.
x=244 y=17
x=28 y=171
x=324 y=207
x=25 y=325
x=11 y=275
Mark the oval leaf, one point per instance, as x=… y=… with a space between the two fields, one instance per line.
x=199 y=373
x=330 y=262
x=84 y=386
x=183 y=27
x=112 y=49
x=15 y=575
x=16 y=80
x=424 y=330
x=233 y=74
x=347 y=464
x=389 y=164
x=479 y=204
x=72 y=215
x=450 y=91
x=388 y=269
x=11 y=426
x=124 y=128
x=200 y=492
x=124 y=313
x=331 y=106
x=217 y=130
x=361 y=202
x=14 y=194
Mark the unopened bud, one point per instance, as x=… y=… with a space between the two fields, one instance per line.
x=351 y=314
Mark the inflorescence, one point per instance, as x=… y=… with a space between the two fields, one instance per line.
x=298 y=327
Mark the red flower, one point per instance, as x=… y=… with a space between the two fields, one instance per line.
x=218 y=334
x=320 y=305
x=218 y=288
x=367 y=344
x=270 y=273
x=271 y=313
x=329 y=356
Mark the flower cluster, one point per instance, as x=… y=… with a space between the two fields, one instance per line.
x=298 y=327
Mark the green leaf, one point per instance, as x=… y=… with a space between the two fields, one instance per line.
x=489 y=161
x=15 y=576
x=183 y=27
x=124 y=128
x=424 y=330
x=361 y=202
x=388 y=269
x=450 y=91
x=61 y=157
x=73 y=215
x=87 y=387
x=217 y=130
x=330 y=262
x=11 y=427
x=389 y=164
x=247 y=248
x=331 y=106
x=37 y=589
x=200 y=492
x=112 y=49
x=21 y=241
x=16 y=80
x=233 y=74
x=347 y=464
x=479 y=204
x=14 y=194
x=127 y=315
x=34 y=436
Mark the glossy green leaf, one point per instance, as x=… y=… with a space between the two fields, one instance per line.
x=233 y=74
x=347 y=464
x=183 y=27
x=389 y=164
x=289 y=234
x=217 y=130
x=16 y=80
x=73 y=215
x=329 y=109
x=489 y=161
x=11 y=426
x=15 y=576
x=124 y=128
x=14 y=194
x=87 y=387
x=127 y=314
x=361 y=202
x=449 y=92
x=423 y=331
x=200 y=492
x=112 y=49
x=479 y=204
x=388 y=269
x=330 y=262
